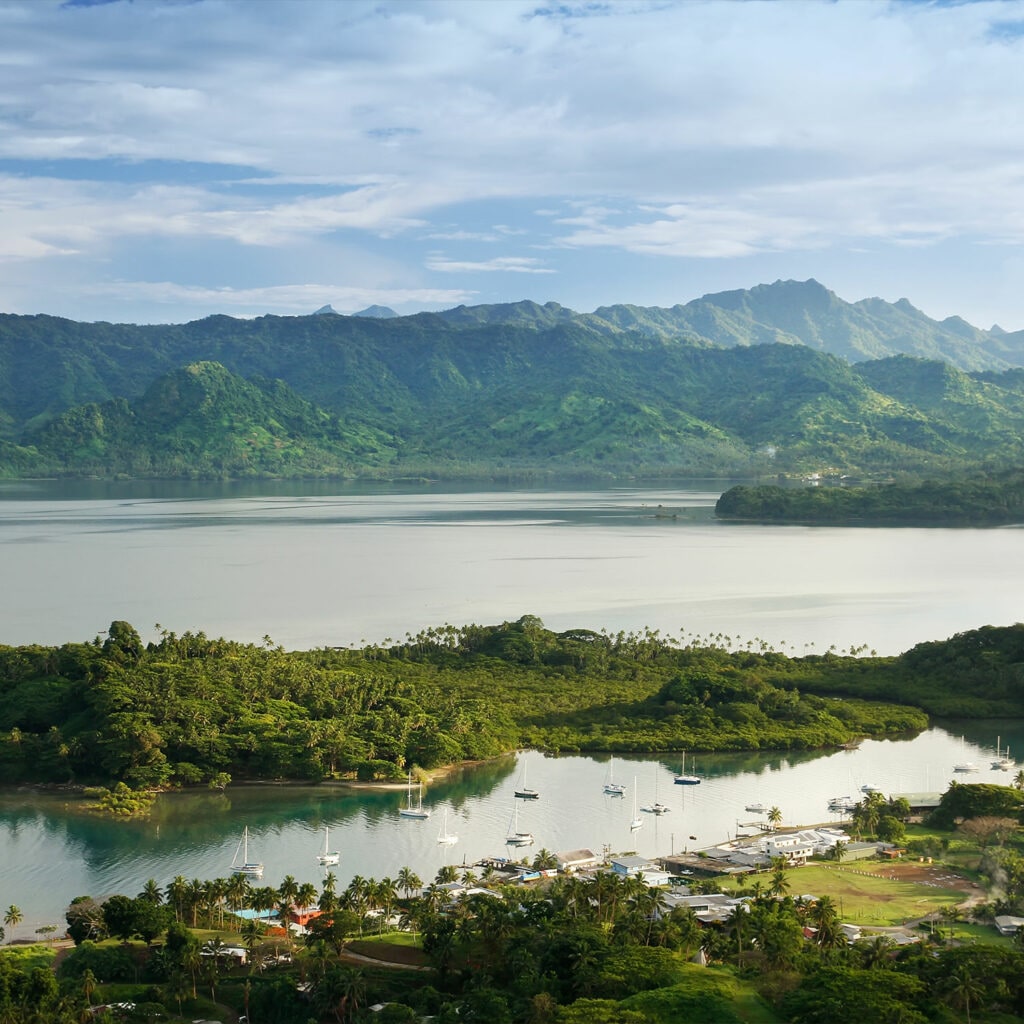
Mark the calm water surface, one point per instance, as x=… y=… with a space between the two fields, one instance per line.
x=52 y=851
x=314 y=565
x=329 y=568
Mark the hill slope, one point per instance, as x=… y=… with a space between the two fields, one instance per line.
x=495 y=389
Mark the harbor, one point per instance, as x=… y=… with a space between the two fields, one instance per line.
x=196 y=833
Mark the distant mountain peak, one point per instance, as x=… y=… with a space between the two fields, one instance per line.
x=327 y=310
x=377 y=312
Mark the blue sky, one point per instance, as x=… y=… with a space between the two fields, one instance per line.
x=163 y=161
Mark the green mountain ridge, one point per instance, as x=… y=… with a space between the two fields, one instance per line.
x=517 y=387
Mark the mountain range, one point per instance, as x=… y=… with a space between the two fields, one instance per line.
x=778 y=378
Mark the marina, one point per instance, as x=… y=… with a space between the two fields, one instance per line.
x=195 y=833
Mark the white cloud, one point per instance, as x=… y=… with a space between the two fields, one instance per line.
x=295 y=298
x=693 y=130
x=505 y=264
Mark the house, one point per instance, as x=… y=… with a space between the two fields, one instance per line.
x=630 y=865
x=860 y=851
x=577 y=860
x=1007 y=924
x=238 y=955
x=795 y=849
x=713 y=908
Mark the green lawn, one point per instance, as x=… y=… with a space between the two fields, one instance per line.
x=862 y=897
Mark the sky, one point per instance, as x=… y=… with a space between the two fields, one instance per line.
x=165 y=160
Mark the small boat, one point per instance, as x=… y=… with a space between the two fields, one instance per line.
x=964 y=766
x=241 y=865
x=756 y=808
x=637 y=822
x=656 y=807
x=840 y=804
x=515 y=837
x=328 y=857
x=611 y=787
x=411 y=811
x=523 y=791
x=869 y=789
x=1004 y=762
x=685 y=779
x=444 y=837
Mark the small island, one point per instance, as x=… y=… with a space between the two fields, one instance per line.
x=995 y=499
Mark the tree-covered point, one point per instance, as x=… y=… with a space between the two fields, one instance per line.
x=978 y=499
x=189 y=708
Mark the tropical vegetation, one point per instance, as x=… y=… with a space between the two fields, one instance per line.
x=978 y=499
x=189 y=709
x=785 y=378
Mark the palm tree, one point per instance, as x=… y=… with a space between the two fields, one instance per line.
x=446 y=873
x=238 y=892
x=387 y=894
x=176 y=894
x=409 y=882
x=328 y=900
x=545 y=860
x=839 y=852
x=1018 y=780
x=251 y=932
x=306 y=897
x=775 y=817
x=876 y=952
x=151 y=892
x=962 y=990
x=13 y=917
x=88 y=984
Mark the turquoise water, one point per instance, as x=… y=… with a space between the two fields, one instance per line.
x=51 y=850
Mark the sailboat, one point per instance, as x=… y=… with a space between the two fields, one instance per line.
x=1003 y=763
x=444 y=837
x=523 y=792
x=242 y=865
x=328 y=857
x=683 y=779
x=515 y=837
x=417 y=811
x=611 y=787
x=656 y=808
x=637 y=821
x=964 y=766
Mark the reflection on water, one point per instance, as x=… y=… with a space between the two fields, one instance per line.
x=52 y=850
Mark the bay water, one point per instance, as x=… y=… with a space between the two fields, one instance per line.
x=320 y=565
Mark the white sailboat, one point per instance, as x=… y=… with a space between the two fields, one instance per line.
x=611 y=787
x=964 y=766
x=241 y=865
x=637 y=822
x=328 y=857
x=410 y=810
x=656 y=807
x=1003 y=761
x=523 y=791
x=685 y=778
x=515 y=837
x=444 y=837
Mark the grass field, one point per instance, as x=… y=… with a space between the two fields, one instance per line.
x=864 y=896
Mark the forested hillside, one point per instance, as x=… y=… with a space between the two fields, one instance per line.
x=189 y=707
x=977 y=499
x=515 y=400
